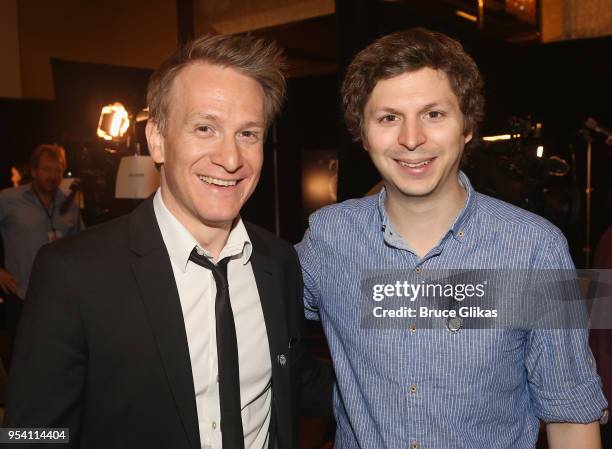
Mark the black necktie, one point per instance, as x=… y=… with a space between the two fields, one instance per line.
x=232 y=435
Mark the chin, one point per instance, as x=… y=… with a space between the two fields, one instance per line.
x=416 y=193
x=415 y=190
x=218 y=219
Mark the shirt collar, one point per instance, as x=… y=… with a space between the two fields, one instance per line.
x=179 y=241
x=460 y=229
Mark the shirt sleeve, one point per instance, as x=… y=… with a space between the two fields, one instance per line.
x=309 y=256
x=562 y=377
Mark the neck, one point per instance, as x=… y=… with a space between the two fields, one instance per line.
x=45 y=197
x=423 y=221
x=211 y=237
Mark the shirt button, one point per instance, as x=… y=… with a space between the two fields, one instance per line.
x=460 y=234
x=413 y=389
x=414 y=445
x=413 y=328
x=417 y=270
x=214 y=425
x=454 y=324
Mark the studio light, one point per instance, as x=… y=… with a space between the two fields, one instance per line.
x=114 y=122
x=137 y=176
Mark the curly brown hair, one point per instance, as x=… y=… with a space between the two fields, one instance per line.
x=409 y=51
x=258 y=58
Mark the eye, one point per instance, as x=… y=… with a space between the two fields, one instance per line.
x=388 y=118
x=434 y=115
x=249 y=136
x=204 y=129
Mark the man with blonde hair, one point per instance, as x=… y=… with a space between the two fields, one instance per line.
x=179 y=325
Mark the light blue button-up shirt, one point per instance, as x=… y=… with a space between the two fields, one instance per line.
x=433 y=388
x=25 y=226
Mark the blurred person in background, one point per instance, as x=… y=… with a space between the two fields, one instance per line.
x=20 y=174
x=30 y=217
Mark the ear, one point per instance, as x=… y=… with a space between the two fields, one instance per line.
x=364 y=142
x=155 y=140
x=468 y=137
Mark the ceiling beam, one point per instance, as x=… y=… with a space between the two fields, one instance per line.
x=275 y=16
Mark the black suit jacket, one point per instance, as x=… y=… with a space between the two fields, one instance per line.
x=102 y=348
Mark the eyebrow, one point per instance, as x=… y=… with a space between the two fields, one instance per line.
x=428 y=106
x=388 y=110
x=215 y=119
x=435 y=104
x=254 y=124
x=200 y=116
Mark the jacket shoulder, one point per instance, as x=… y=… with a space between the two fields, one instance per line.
x=267 y=240
x=99 y=240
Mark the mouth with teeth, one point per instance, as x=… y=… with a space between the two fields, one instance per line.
x=218 y=182
x=419 y=164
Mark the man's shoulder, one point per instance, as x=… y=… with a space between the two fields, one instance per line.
x=273 y=243
x=501 y=214
x=354 y=211
x=100 y=239
x=13 y=192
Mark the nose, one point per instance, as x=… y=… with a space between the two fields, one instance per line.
x=412 y=134
x=228 y=155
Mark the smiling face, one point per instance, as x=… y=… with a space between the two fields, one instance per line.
x=414 y=132
x=211 y=150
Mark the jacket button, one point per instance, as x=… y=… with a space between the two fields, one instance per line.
x=282 y=359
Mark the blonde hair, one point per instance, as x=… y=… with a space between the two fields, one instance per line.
x=255 y=57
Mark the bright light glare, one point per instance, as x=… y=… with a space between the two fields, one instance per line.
x=501 y=137
x=540 y=151
x=466 y=16
x=114 y=122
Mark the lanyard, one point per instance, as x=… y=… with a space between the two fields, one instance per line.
x=48 y=212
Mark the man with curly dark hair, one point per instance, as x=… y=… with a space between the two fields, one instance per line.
x=415 y=100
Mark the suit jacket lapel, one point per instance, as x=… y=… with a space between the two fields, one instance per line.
x=155 y=279
x=269 y=287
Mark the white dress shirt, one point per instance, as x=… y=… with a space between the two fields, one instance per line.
x=197 y=290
